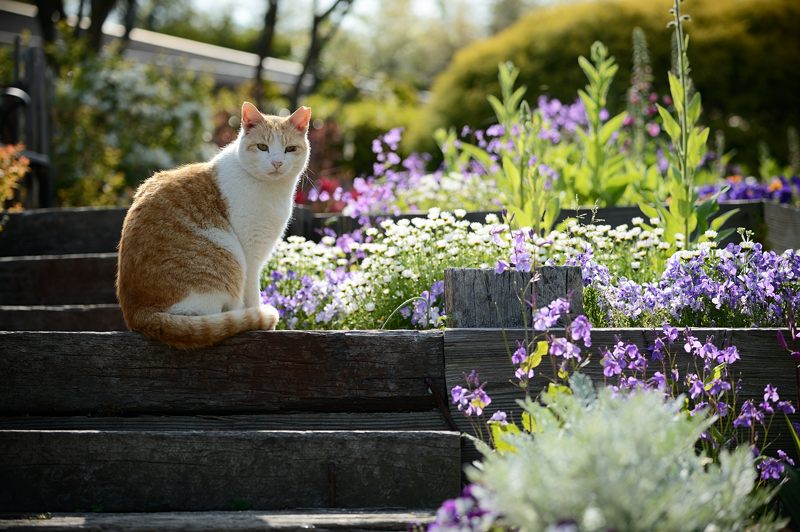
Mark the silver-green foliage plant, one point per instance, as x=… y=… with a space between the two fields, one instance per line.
x=685 y=215
x=602 y=461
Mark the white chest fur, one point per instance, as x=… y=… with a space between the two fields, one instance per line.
x=258 y=210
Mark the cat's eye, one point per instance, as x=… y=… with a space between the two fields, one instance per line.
x=290 y=149
x=262 y=147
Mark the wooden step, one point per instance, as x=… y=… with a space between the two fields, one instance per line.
x=62 y=318
x=66 y=373
x=86 y=230
x=150 y=471
x=413 y=420
x=62 y=231
x=58 y=279
x=320 y=520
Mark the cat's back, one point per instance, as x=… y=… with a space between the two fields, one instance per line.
x=165 y=245
x=188 y=193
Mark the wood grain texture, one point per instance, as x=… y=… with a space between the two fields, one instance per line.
x=320 y=520
x=86 y=230
x=195 y=470
x=104 y=317
x=61 y=373
x=476 y=298
x=58 y=279
x=783 y=226
x=486 y=350
x=62 y=231
x=422 y=420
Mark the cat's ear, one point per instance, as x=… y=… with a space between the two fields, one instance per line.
x=250 y=116
x=300 y=118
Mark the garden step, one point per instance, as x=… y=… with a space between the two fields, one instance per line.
x=150 y=471
x=421 y=420
x=84 y=230
x=58 y=279
x=62 y=318
x=68 y=373
x=321 y=520
x=62 y=231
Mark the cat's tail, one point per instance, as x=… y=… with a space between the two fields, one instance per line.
x=187 y=332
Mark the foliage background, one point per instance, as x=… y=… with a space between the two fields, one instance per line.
x=743 y=54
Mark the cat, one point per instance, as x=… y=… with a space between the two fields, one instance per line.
x=196 y=238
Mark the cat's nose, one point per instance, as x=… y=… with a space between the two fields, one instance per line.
x=277 y=164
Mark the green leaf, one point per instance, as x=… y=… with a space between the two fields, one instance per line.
x=694 y=109
x=676 y=90
x=612 y=126
x=478 y=154
x=528 y=422
x=648 y=211
x=589 y=70
x=516 y=97
x=501 y=434
x=551 y=213
x=498 y=107
x=670 y=125
x=720 y=220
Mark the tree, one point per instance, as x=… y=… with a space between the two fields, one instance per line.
x=264 y=50
x=323 y=27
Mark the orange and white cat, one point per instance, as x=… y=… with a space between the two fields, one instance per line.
x=196 y=238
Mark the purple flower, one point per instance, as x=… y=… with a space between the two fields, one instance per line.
x=771 y=393
x=499 y=417
x=547 y=317
x=561 y=347
x=785 y=457
x=770 y=468
x=479 y=400
x=501 y=266
x=520 y=355
x=659 y=380
x=696 y=385
x=581 y=329
x=611 y=364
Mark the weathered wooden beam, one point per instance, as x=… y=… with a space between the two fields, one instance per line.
x=476 y=298
x=287 y=521
x=227 y=470
x=487 y=351
x=421 y=420
x=62 y=231
x=86 y=230
x=783 y=226
x=104 y=317
x=61 y=373
x=58 y=279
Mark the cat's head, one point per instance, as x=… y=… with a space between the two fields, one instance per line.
x=273 y=148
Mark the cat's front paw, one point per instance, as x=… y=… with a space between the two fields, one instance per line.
x=269 y=317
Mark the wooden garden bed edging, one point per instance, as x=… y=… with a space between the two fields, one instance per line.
x=783 y=226
x=762 y=362
x=482 y=298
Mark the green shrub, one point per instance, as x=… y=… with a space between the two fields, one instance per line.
x=607 y=462
x=744 y=55
x=116 y=122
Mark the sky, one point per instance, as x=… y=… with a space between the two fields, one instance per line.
x=250 y=12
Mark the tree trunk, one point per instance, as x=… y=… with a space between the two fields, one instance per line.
x=264 y=50
x=317 y=44
x=47 y=12
x=100 y=12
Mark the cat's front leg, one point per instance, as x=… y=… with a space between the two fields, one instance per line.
x=252 y=289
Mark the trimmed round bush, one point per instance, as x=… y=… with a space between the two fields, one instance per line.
x=743 y=55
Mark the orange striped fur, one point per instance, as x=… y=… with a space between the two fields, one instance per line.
x=196 y=237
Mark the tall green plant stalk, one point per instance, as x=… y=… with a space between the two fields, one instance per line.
x=685 y=215
x=604 y=173
x=641 y=84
